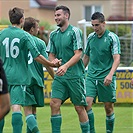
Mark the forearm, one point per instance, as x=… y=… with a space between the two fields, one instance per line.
x=115 y=64
x=44 y=61
x=50 y=71
x=51 y=57
x=73 y=60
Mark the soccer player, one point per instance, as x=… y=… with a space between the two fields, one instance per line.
x=15 y=44
x=35 y=94
x=66 y=43
x=103 y=55
x=4 y=96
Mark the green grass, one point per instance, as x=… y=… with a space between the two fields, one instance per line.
x=70 y=123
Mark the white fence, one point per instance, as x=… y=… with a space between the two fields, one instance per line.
x=124 y=30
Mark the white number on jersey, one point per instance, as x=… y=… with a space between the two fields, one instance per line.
x=30 y=58
x=11 y=49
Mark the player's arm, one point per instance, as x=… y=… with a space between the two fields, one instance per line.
x=41 y=59
x=116 y=63
x=108 y=78
x=51 y=57
x=74 y=59
x=50 y=71
x=4 y=104
x=62 y=69
x=4 y=94
x=85 y=60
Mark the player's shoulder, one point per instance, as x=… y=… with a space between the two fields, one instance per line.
x=111 y=34
x=37 y=38
x=40 y=41
x=74 y=28
x=55 y=31
x=4 y=30
x=26 y=35
x=91 y=35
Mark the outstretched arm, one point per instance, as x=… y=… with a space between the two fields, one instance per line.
x=50 y=71
x=46 y=62
x=62 y=69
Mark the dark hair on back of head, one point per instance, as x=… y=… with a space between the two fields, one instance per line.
x=64 y=8
x=29 y=23
x=15 y=15
x=99 y=16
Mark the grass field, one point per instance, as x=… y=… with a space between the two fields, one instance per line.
x=70 y=124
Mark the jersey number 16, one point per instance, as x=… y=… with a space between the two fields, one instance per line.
x=11 y=49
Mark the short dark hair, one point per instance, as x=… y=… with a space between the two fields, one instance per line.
x=15 y=15
x=64 y=8
x=99 y=16
x=29 y=23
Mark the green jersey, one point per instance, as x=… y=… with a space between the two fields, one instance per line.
x=14 y=46
x=63 y=45
x=100 y=52
x=36 y=69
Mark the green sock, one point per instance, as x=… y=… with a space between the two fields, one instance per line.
x=56 y=121
x=1 y=125
x=17 y=122
x=32 y=124
x=91 y=120
x=85 y=127
x=28 y=130
x=110 y=123
x=35 y=116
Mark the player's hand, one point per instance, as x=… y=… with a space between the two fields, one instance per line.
x=107 y=80
x=57 y=62
x=61 y=70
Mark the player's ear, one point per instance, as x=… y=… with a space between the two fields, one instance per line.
x=22 y=20
x=31 y=30
x=67 y=16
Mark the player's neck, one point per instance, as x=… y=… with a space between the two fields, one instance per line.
x=64 y=27
x=16 y=25
x=101 y=34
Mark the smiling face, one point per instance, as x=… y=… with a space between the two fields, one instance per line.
x=61 y=17
x=99 y=27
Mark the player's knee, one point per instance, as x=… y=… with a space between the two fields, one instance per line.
x=79 y=109
x=55 y=104
x=108 y=109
